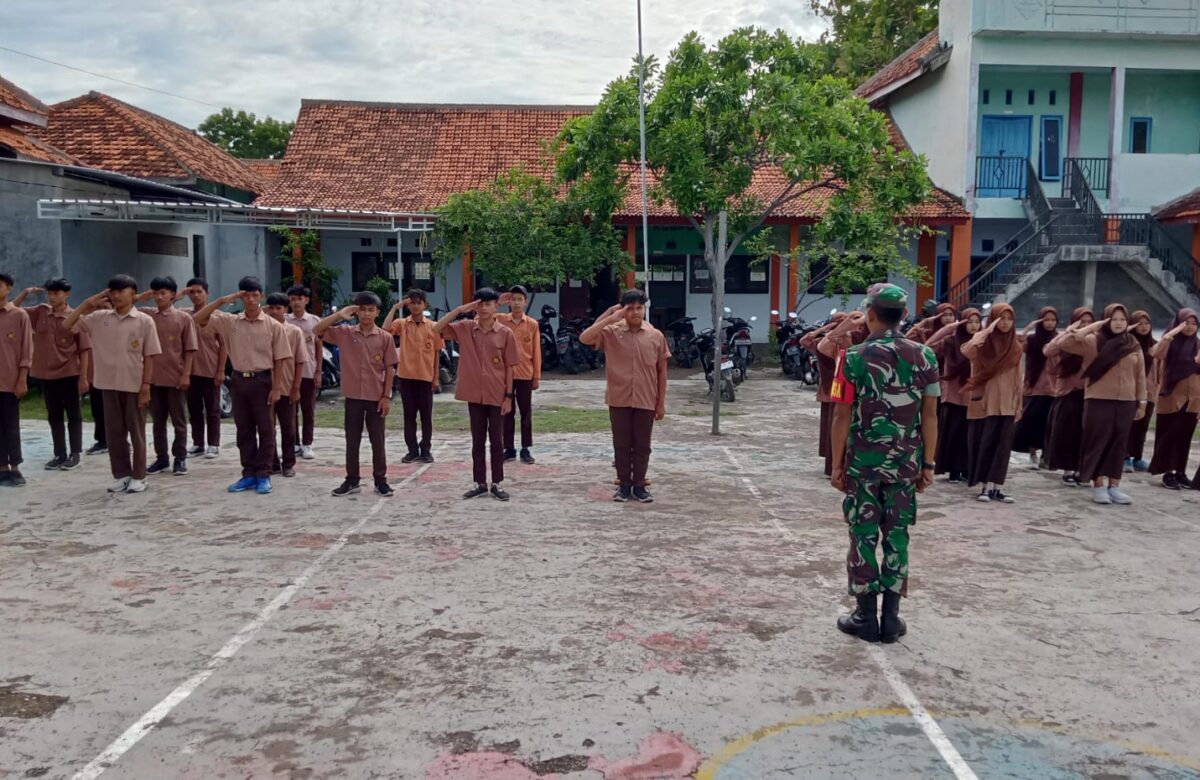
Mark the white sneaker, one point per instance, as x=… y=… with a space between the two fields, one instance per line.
x=120 y=485
x=1119 y=496
x=213 y=451
x=296 y=449
x=306 y=452
x=985 y=497
x=1100 y=495
x=136 y=486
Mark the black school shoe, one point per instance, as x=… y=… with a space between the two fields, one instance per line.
x=180 y=468
x=97 y=449
x=526 y=458
x=346 y=488
x=411 y=457
x=161 y=464
x=15 y=478
x=56 y=462
x=623 y=494
x=384 y=489
x=476 y=491
x=426 y=457
x=641 y=495
x=510 y=456
x=1171 y=482
x=498 y=493
x=71 y=463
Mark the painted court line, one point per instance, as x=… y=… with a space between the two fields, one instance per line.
x=929 y=726
x=244 y=636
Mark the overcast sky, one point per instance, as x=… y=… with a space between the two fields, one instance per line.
x=265 y=55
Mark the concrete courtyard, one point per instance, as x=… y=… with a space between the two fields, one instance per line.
x=189 y=633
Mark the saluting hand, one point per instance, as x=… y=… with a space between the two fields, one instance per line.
x=93 y=301
x=1175 y=331
x=348 y=312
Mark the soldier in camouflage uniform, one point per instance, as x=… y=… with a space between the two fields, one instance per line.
x=885 y=421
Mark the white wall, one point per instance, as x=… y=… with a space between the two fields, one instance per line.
x=1150 y=180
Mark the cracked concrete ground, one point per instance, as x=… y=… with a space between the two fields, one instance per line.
x=562 y=635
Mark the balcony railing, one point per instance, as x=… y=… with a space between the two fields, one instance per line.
x=1096 y=171
x=1001 y=177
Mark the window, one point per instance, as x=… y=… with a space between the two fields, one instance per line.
x=391 y=242
x=365 y=266
x=987 y=96
x=988 y=245
x=701 y=279
x=1054 y=97
x=1032 y=97
x=820 y=269
x=161 y=244
x=364 y=242
x=1139 y=135
x=418 y=271
x=1008 y=97
x=743 y=276
x=198 y=264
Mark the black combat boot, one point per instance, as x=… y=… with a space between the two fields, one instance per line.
x=891 y=627
x=863 y=621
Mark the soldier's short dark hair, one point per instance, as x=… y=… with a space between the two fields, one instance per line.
x=368 y=298
x=197 y=280
x=416 y=293
x=486 y=294
x=888 y=316
x=278 y=299
x=164 y=283
x=250 y=284
x=630 y=297
x=57 y=284
x=123 y=282
x=299 y=289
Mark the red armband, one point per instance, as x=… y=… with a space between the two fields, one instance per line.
x=842 y=389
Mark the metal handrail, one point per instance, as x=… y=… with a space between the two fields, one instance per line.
x=1096 y=171
x=983 y=277
x=1035 y=198
x=1081 y=193
x=1174 y=256
x=1002 y=173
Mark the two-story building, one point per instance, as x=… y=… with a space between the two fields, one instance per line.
x=1064 y=126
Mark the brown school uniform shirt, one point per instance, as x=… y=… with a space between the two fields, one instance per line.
x=365 y=359
x=1002 y=396
x=300 y=352
x=306 y=324
x=1185 y=396
x=120 y=346
x=811 y=341
x=1054 y=354
x=176 y=336
x=254 y=345
x=954 y=391
x=56 y=350
x=1046 y=384
x=16 y=345
x=631 y=361
x=208 y=349
x=529 y=343
x=1126 y=381
x=483 y=357
x=419 y=347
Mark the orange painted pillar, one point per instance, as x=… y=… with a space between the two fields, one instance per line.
x=793 y=267
x=468 y=275
x=631 y=240
x=773 y=275
x=927 y=260
x=960 y=255
x=297 y=269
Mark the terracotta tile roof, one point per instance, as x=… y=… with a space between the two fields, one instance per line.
x=912 y=61
x=267 y=170
x=1183 y=209
x=411 y=158
x=104 y=132
x=30 y=148
x=22 y=106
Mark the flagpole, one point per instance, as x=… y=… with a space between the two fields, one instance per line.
x=642 y=129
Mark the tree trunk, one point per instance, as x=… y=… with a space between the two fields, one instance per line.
x=716 y=268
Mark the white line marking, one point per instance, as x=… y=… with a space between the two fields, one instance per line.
x=147 y=722
x=930 y=727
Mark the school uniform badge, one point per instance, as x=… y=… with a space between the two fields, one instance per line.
x=495 y=360
x=378 y=358
x=135 y=344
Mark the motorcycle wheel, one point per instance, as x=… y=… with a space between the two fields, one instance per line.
x=445 y=377
x=329 y=380
x=569 y=365
x=789 y=366
x=728 y=392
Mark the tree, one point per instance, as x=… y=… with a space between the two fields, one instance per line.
x=245 y=135
x=865 y=35
x=746 y=128
x=520 y=231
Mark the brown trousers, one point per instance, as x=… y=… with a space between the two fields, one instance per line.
x=254 y=418
x=308 y=408
x=523 y=388
x=1106 y=427
x=631 y=432
x=285 y=415
x=416 y=396
x=125 y=429
x=360 y=414
x=168 y=402
x=204 y=409
x=487 y=426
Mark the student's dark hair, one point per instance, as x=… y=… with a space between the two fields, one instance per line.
x=278 y=299
x=486 y=294
x=633 y=296
x=250 y=284
x=299 y=289
x=7 y=279
x=888 y=316
x=418 y=293
x=199 y=281
x=57 y=284
x=164 y=283
x=367 y=298
x=517 y=289
x=123 y=282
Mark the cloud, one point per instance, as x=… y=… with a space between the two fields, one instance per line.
x=267 y=55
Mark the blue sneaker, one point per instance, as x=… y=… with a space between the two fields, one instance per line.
x=1141 y=466
x=243 y=484
x=264 y=486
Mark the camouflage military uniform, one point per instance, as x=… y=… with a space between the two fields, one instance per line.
x=891 y=376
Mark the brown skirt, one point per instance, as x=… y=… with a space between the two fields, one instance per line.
x=1106 y=427
x=1031 y=430
x=1137 y=435
x=989 y=442
x=952 y=455
x=1063 y=431
x=1172 y=442
x=824 y=449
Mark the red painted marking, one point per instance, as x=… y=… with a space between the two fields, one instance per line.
x=661 y=756
x=669 y=643
x=670 y=667
x=447 y=554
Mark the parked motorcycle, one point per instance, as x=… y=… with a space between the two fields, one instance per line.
x=574 y=355
x=682 y=334
x=448 y=357
x=737 y=339
x=331 y=369
x=796 y=361
x=549 y=345
x=703 y=344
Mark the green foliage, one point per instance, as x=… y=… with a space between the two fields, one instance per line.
x=383 y=288
x=245 y=135
x=755 y=107
x=865 y=35
x=521 y=231
x=317 y=274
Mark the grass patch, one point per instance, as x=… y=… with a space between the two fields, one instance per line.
x=33 y=407
x=452 y=418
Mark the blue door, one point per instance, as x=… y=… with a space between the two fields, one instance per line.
x=1003 y=154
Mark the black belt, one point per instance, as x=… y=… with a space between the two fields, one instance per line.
x=252 y=374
